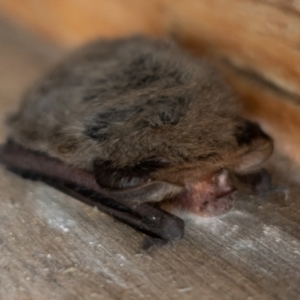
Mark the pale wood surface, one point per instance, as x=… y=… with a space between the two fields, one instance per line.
x=53 y=247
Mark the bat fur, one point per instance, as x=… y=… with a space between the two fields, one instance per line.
x=141 y=110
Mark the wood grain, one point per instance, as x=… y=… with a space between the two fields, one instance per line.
x=53 y=247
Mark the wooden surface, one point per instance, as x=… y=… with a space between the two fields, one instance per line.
x=53 y=247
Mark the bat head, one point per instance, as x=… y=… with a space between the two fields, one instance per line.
x=207 y=182
x=210 y=186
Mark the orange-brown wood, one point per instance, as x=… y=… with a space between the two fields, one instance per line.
x=256 y=34
x=278 y=115
x=69 y=23
x=259 y=35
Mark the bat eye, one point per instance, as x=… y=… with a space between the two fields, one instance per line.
x=249 y=132
x=256 y=147
x=129 y=176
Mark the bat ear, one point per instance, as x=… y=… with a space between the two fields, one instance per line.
x=129 y=176
x=255 y=148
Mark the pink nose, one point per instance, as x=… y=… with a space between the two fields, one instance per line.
x=210 y=197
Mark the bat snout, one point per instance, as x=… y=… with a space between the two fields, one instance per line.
x=212 y=196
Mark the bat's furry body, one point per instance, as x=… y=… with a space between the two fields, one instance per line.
x=137 y=110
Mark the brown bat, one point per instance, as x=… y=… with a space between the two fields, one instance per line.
x=140 y=129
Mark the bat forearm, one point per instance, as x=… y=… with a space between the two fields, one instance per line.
x=82 y=185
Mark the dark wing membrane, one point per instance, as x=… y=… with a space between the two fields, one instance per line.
x=129 y=176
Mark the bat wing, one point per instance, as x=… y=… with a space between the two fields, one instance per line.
x=160 y=226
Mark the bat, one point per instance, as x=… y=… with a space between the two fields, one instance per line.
x=141 y=129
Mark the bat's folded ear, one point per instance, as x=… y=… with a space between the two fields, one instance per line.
x=255 y=147
x=109 y=176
